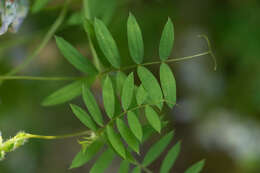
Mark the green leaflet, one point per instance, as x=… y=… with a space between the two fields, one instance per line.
x=83 y=117
x=136 y=170
x=107 y=43
x=153 y=118
x=74 y=57
x=135 y=40
x=115 y=141
x=102 y=9
x=167 y=40
x=135 y=125
x=155 y=151
x=64 y=94
x=168 y=84
x=141 y=95
x=38 y=5
x=128 y=91
x=127 y=135
x=109 y=97
x=120 y=80
x=92 y=105
x=97 y=53
x=151 y=85
x=124 y=167
x=103 y=161
x=196 y=168
x=170 y=158
x=84 y=156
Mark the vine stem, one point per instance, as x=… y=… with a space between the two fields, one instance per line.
x=44 y=42
x=108 y=71
x=88 y=132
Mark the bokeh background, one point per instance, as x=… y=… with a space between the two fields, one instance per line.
x=218 y=112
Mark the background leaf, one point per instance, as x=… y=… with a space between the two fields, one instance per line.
x=153 y=118
x=107 y=43
x=167 y=40
x=151 y=85
x=127 y=135
x=74 y=57
x=135 y=125
x=168 y=84
x=115 y=141
x=109 y=97
x=83 y=117
x=196 y=168
x=170 y=158
x=135 y=40
x=128 y=91
x=103 y=162
x=155 y=151
x=92 y=105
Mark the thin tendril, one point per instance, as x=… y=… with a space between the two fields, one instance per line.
x=210 y=49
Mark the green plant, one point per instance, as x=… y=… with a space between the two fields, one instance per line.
x=125 y=100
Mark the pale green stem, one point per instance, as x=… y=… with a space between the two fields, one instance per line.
x=88 y=132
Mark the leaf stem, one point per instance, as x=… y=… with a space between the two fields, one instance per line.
x=105 y=72
x=88 y=132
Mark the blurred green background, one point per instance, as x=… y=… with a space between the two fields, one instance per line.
x=217 y=117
